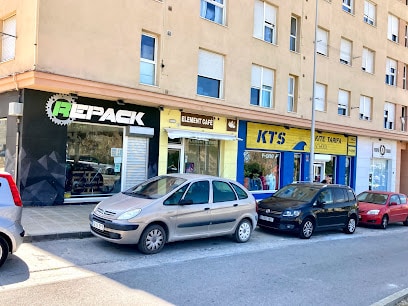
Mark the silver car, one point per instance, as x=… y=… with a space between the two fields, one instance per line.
x=11 y=208
x=175 y=207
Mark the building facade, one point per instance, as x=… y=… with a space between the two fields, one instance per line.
x=94 y=103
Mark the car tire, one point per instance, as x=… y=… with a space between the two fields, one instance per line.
x=243 y=231
x=152 y=240
x=4 y=250
x=306 y=229
x=384 y=222
x=405 y=222
x=350 y=226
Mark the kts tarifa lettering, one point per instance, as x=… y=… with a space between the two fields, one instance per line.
x=271 y=137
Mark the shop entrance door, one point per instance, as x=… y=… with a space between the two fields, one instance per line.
x=318 y=172
x=173 y=160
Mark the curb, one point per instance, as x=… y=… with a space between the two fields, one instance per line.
x=72 y=235
x=393 y=299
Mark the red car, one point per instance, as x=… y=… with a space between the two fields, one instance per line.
x=382 y=207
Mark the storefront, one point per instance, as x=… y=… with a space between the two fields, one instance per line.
x=377 y=164
x=197 y=143
x=272 y=156
x=77 y=149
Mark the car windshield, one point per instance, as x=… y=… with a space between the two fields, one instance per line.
x=371 y=197
x=156 y=188
x=297 y=192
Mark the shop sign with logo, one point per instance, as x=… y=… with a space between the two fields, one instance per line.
x=196 y=120
x=381 y=150
x=274 y=137
x=63 y=109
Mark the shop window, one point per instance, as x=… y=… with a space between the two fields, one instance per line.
x=296 y=168
x=379 y=174
x=201 y=156
x=94 y=159
x=3 y=132
x=261 y=170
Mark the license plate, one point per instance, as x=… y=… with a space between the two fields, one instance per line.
x=266 y=218
x=98 y=225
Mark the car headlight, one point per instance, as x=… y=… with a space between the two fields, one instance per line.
x=129 y=214
x=373 y=212
x=291 y=213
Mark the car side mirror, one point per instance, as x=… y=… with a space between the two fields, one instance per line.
x=393 y=203
x=186 y=202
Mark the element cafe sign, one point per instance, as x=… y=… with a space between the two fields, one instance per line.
x=195 y=120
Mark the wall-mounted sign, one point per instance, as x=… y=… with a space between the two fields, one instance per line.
x=196 y=120
x=274 y=137
x=232 y=125
x=381 y=150
x=63 y=109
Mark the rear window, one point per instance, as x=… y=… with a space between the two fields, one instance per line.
x=240 y=192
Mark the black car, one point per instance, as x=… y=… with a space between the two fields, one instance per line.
x=305 y=207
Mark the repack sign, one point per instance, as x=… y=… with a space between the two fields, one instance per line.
x=63 y=109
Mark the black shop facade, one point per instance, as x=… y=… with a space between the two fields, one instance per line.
x=72 y=149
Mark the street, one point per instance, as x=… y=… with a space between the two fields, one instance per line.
x=331 y=268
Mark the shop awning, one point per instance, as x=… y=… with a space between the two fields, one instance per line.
x=178 y=133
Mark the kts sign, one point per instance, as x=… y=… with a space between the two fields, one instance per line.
x=63 y=109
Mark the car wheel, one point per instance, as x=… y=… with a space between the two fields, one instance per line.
x=4 y=250
x=351 y=226
x=405 y=222
x=306 y=229
x=152 y=240
x=384 y=222
x=243 y=231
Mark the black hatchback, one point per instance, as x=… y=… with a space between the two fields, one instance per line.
x=307 y=207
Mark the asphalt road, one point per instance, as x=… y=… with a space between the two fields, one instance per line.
x=272 y=269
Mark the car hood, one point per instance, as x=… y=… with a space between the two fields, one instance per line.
x=280 y=204
x=121 y=202
x=364 y=206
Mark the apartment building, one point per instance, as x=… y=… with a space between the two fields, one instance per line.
x=96 y=96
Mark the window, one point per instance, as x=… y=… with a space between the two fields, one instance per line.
x=365 y=108
x=345 y=51
x=404 y=118
x=367 y=62
x=320 y=97
x=406 y=36
x=322 y=41
x=3 y=134
x=222 y=192
x=265 y=21
x=343 y=104
x=262 y=86
x=263 y=165
x=148 y=61
x=8 y=39
x=293 y=44
x=292 y=93
x=198 y=193
x=404 y=76
x=297 y=167
x=392 y=33
x=389 y=115
x=213 y=10
x=391 y=72
x=348 y=6
x=210 y=74
x=369 y=12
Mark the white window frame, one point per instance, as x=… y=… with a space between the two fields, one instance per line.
x=265 y=17
x=404 y=76
x=263 y=79
x=404 y=118
x=365 y=108
x=211 y=65
x=322 y=42
x=220 y=4
x=345 y=51
x=392 y=33
x=8 y=39
x=367 y=62
x=292 y=94
x=370 y=11
x=391 y=72
x=293 y=39
x=320 y=97
x=343 y=102
x=348 y=6
x=149 y=62
x=389 y=116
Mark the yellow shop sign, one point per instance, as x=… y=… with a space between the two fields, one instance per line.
x=274 y=137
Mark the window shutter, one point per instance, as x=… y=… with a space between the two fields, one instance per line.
x=343 y=98
x=8 y=42
x=320 y=96
x=267 y=77
x=321 y=41
x=345 y=50
x=258 y=19
x=256 y=76
x=270 y=14
x=210 y=65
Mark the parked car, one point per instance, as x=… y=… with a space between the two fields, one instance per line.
x=381 y=208
x=303 y=208
x=175 y=207
x=11 y=207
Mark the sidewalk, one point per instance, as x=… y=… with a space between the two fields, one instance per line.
x=56 y=222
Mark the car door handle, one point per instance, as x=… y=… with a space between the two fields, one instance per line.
x=207 y=208
x=235 y=205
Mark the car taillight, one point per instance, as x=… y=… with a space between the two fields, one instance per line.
x=13 y=189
